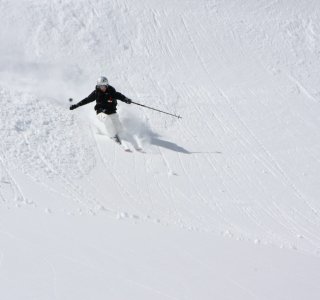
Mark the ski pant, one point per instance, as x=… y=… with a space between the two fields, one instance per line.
x=111 y=122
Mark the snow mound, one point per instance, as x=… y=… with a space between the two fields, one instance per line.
x=41 y=138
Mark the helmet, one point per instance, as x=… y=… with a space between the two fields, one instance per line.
x=102 y=81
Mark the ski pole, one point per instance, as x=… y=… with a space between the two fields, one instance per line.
x=179 y=117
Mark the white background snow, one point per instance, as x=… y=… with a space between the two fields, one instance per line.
x=225 y=202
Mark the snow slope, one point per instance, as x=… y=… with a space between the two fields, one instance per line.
x=224 y=204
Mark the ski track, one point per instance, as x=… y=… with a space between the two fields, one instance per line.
x=267 y=159
x=242 y=163
x=126 y=199
x=234 y=195
x=270 y=160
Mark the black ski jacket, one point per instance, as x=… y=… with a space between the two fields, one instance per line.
x=105 y=101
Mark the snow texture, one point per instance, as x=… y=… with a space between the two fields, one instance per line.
x=221 y=204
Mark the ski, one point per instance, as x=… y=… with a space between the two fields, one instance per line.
x=123 y=145
x=140 y=150
x=137 y=144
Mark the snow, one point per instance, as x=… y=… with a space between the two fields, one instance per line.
x=222 y=204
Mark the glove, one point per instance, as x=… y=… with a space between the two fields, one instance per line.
x=127 y=100
x=73 y=106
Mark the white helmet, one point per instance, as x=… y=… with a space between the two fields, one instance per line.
x=102 y=81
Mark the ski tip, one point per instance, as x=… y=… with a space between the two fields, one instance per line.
x=140 y=150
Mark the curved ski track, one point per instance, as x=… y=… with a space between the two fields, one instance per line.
x=229 y=166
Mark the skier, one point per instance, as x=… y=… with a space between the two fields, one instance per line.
x=106 y=106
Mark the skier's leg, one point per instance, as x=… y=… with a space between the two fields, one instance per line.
x=116 y=124
x=106 y=120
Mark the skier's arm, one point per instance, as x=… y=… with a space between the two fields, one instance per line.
x=119 y=96
x=85 y=101
x=122 y=98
